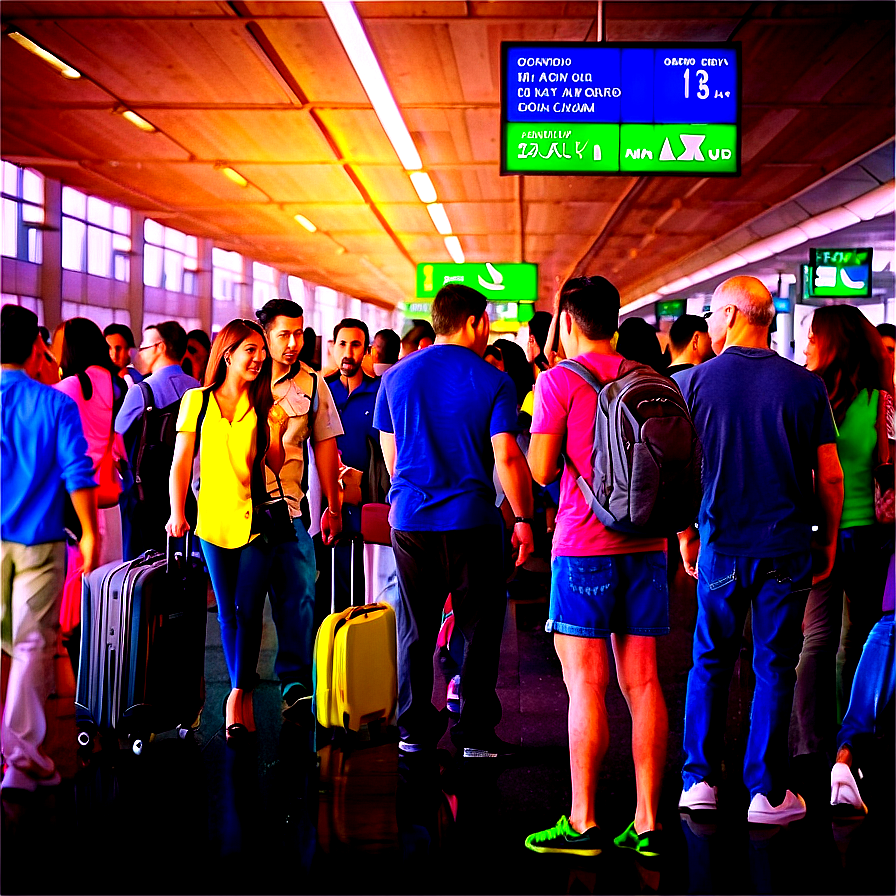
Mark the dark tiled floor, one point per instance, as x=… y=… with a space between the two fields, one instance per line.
x=191 y=816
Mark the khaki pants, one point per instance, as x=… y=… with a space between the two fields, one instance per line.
x=31 y=579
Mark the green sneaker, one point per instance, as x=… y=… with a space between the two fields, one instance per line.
x=646 y=844
x=563 y=839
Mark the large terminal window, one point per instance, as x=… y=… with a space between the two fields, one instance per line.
x=265 y=284
x=227 y=274
x=170 y=258
x=23 y=213
x=96 y=236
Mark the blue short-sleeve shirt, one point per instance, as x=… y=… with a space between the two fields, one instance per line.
x=761 y=420
x=444 y=404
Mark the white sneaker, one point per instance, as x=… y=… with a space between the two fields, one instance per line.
x=845 y=791
x=699 y=796
x=761 y=811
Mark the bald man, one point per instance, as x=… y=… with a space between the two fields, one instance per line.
x=766 y=428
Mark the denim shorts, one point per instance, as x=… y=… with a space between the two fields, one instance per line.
x=594 y=597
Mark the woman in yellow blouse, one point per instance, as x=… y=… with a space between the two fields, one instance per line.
x=237 y=394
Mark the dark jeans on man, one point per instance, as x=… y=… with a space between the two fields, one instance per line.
x=468 y=565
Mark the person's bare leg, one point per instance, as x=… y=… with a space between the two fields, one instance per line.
x=586 y=674
x=640 y=684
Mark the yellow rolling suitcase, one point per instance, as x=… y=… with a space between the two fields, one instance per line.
x=355 y=665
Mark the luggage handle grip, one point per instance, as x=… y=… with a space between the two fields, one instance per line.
x=169 y=549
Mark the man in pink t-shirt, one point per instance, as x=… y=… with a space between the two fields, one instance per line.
x=605 y=585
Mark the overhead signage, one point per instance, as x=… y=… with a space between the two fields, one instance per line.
x=839 y=273
x=670 y=309
x=499 y=282
x=620 y=108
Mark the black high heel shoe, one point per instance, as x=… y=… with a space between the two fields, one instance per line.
x=235 y=733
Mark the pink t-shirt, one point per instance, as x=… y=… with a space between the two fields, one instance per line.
x=96 y=414
x=566 y=405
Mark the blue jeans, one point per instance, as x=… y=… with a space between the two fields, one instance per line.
x=293 y=574
x=873 y=685
x=777 y=589
x=240 y=582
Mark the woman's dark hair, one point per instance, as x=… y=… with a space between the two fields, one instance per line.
x=309 y=349
x=492 y=351
x=593 y=303
x=638 y=342
x=851 y=355
x=516 y=367
x=201 y=337
x=278 y=308
x=83 y=346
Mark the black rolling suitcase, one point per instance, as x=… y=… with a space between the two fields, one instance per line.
x=142 y=657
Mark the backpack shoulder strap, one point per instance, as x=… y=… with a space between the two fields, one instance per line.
x=206 y=395
x=148 y=404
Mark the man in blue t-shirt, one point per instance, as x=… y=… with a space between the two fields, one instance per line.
x=446 y=419
x=43 y=455
x=766 y=428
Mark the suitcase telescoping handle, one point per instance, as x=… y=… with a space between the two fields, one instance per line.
x=351 y=580
x=170 y=556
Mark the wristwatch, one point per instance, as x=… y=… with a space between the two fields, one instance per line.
x=523 y=519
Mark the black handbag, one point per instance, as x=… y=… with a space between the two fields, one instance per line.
x=271 y=518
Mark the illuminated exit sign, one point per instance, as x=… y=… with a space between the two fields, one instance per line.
x=498 y=282
x=620 y=108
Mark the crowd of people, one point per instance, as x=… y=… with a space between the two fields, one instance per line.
x=477 y=448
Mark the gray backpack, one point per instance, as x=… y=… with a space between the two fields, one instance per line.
x=646 y=459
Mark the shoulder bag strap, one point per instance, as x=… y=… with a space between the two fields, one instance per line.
x=148 y=405
x=883 y=444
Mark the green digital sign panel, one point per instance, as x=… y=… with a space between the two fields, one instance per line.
x=498 y=282
x=620 y=108
x=839 y=273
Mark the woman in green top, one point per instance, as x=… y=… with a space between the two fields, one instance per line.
x=846 y=351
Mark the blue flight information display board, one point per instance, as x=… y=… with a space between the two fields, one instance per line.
x=620 y=108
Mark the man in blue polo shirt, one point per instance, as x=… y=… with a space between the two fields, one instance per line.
x=160 y=353
x=447 y=534
x=44 y=454
x=354 y=394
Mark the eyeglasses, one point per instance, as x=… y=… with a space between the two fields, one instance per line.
x=151 y=345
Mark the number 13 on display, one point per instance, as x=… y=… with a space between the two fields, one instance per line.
x=702 y=89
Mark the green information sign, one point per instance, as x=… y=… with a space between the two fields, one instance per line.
x=839 y=273
x=501 y=283
x=614 y=148
x=670 y=309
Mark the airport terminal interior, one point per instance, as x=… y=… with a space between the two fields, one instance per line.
x=191 y=160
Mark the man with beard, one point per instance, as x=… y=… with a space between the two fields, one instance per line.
x=354 y=393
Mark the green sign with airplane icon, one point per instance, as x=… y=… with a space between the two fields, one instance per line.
x=839 y=273
x=498 y=282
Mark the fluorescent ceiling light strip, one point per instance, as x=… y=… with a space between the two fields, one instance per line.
x=63 y=68
x=439 y=218
x=348 y=26
x=305 y=223
x=452 y=244
x=137 y=121
x=423 y=185
x=235 y=176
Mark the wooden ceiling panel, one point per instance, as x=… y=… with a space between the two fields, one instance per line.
x=385 y=185
x=359 y=135
x=313 y=55
x=567 y=217
x=101 y=135
x=114 y=9
x=494 y=247
x=480 y=219
x=253 y=220
x=337 y=219
x=166 y=61
x=411 y=217
x=474 y=182
x=28 y=81
x=306 y=184
x=288 y=135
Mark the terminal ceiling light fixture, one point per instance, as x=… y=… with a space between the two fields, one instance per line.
x=439 y=218
x=305 y=223
x=138 y=122
x=423 y=185
x=234 y=175
x=350 y=31
x=63 y=68
x=452 y=244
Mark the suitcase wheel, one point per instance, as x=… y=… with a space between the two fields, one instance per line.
x=138 y=743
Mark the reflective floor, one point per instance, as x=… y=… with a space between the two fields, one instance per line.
x=192 y=816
